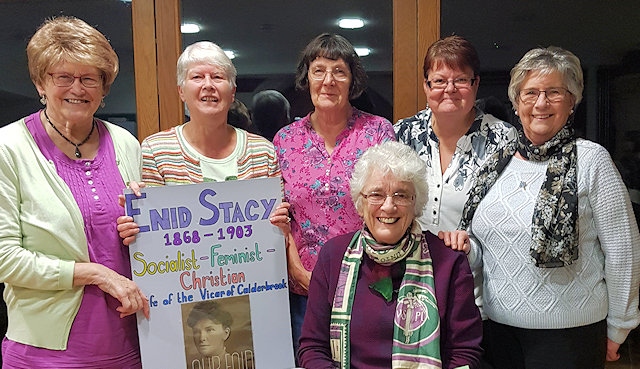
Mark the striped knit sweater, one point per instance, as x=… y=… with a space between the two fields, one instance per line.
x=166 y=162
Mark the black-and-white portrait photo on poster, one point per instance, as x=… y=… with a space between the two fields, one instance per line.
x=217 y=333
x=214 y=270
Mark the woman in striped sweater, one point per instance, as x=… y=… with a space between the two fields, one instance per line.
x=205 y=148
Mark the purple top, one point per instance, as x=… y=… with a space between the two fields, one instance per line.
x=317 y=184
x=372 y=317
x=99 y=338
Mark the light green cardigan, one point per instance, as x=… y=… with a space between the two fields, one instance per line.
x=42 y=236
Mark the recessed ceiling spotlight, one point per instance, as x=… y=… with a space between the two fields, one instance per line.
x=230 y=54
x=362 y=51
x=189 y=28
x=350 y=23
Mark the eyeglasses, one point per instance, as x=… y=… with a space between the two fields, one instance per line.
x=553 y=94
x=397 y=198
x=66 y=80
x=319 y=74
x=441 y=84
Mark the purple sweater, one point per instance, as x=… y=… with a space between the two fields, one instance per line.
x=372 y=318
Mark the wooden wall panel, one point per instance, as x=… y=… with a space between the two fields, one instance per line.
x=428 y=33
x=156 y=45
x=416 y=25
x=169 y=47
x=405 y=36
x=144 y=58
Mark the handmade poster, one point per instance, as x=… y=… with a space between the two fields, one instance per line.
x=214 y=270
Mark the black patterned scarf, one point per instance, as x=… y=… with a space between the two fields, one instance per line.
x=554 y=225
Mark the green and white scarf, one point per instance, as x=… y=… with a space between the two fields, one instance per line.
x=416 y=333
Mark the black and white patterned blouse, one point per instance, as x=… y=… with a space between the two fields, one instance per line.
x=448 y=192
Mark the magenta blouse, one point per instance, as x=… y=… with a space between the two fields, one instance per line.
x=317 y=184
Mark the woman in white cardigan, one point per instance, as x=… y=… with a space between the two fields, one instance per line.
x=555 y=231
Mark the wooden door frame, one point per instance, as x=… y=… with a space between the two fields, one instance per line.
x=416 y=25
x=157 y=44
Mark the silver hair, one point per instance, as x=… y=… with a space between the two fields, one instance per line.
x=395 y=158
x=205 y=52
x=546 y=61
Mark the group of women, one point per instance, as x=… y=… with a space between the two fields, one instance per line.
x=543 y=216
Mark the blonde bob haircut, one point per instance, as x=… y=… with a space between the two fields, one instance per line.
x=204 y=52
x=69 y=39
x=394 y=158
x=545 y=61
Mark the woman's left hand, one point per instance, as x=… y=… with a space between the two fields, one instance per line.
x=281 y=219
x=612 y=350
x=457 y=240
x=120 y=287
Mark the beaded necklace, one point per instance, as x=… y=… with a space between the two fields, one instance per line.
x=77 y=153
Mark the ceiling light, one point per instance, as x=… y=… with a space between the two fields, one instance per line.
x=362 y=51
x=189 y=28
x=351 y=23
x=230 y=54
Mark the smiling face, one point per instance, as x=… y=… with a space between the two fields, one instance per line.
x=542 y=119
x=451 y=99
x=209 y=337
x=75 y=104
x=387 y=222
x=207 y=90
x=329 y=93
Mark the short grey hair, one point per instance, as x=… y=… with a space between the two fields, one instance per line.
x=393 y=158
x=546 y=61
x=205 y=52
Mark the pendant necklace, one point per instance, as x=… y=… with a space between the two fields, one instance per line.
x=77 y=153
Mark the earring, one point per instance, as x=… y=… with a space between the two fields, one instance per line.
x=102 y=103
x=571 y=111
x=43 y=100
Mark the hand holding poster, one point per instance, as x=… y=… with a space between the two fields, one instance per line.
x=214 y=270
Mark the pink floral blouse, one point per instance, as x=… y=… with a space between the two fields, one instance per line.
x=317 y=184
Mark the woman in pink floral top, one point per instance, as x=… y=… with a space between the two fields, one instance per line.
x=317 y=154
